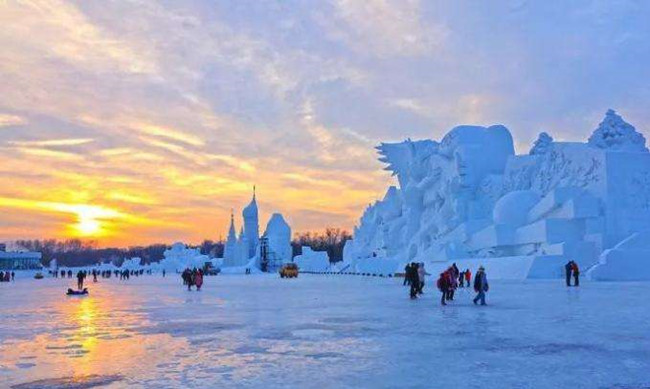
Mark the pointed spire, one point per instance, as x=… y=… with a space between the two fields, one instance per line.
x=231 y=230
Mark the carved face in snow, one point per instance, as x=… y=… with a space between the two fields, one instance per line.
x=467 y=165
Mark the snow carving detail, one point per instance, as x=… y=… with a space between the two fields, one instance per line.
x=469 y=197
x=542 y=145
x=614 y=133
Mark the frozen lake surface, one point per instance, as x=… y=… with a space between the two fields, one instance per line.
x=320 y=332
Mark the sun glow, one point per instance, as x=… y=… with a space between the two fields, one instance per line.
x=88 y=226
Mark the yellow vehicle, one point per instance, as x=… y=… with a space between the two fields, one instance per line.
x=289 y=270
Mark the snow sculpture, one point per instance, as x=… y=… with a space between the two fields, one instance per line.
x=312 y=261
x=278 y=237
x=628 y=260
x=469 y=199
x=243 y=252
x=251 y=226
x=238 y=251
x=230 y=251
x=542 y=144
x=614 y=133
x=179 y=257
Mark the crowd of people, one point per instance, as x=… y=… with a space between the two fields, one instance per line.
x=192 y=278
x=6 y=276
x=449 y=280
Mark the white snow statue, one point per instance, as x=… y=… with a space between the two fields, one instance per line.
x=239 y=251
x=231 y=252
x=312 y=261
x=278 y=238
x=470 y=200
x=179 y=257
x=251 y=227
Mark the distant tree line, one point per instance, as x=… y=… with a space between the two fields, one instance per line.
x=77 y=252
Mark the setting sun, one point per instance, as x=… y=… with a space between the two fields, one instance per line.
x=88 y=226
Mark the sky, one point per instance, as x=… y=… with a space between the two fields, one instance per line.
x=139 y=121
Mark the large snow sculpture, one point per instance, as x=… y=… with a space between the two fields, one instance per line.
x=244 y=252
x=278 y=239
x=179 y=257
x=470 y=200
x=312 y=261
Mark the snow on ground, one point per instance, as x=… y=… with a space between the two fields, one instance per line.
x=322 y=331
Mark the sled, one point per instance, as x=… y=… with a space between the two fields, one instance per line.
x=77 y=292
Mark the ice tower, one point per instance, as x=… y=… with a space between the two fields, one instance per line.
x=251 y=226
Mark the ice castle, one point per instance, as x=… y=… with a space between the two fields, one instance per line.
x=249 y=249
x=469 y=199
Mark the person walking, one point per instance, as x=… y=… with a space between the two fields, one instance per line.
x=163 y=273
x=576 y=273
x=480 y=286
x=13 y=276
x=407 y=269
x=198 y=279
x=468 y=277
x=453 y=283
x=421 y=276
x=80 y=280
x=413 y=280
x=443 y=286
x=568 y=269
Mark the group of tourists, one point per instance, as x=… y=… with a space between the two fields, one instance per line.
x=6 y=276
x=452 y=278
x=192 y=278
x=449 y=280
x=571 y=270
x=414 y=275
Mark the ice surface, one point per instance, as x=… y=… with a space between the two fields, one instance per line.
x=340 y=331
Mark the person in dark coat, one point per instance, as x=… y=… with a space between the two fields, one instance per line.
x=413 y=280
x=80 y=280
x=568 y=268
x=443 y=286
x=407 y=269
x=576 y=273
x=13 y=277
x=480 y=285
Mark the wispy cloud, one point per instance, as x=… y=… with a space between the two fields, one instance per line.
x=51 y=142
x=168 y=113
x=11 y=120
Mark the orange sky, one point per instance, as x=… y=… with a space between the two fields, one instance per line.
x=133 y=124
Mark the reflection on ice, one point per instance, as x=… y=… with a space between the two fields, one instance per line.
x=318 y=331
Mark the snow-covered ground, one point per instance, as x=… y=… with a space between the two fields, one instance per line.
x=322 y=332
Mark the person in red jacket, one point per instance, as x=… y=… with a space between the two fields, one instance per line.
x=443 y=286
x=468 y=277
x=198 y=279
x=576 y=273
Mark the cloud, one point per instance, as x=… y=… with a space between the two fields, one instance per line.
x=51 y=142
x=171 y=134
x=386 y=28
x=172 y=114
x=7 y=120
